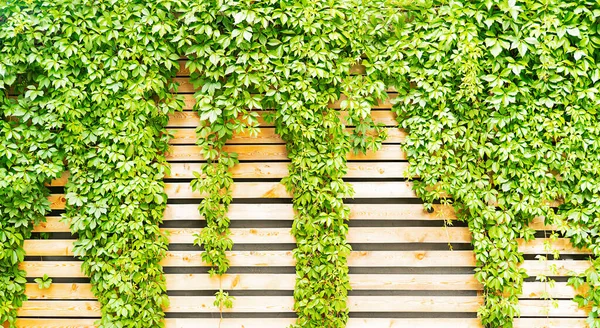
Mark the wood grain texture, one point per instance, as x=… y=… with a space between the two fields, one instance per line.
x=284 y=322
x=266 y=135
x=191 y=119
x=273 y=323
x=182 y=153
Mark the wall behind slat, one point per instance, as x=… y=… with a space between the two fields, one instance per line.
x=402 y=270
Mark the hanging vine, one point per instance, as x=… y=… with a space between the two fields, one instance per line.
x=29 y=156
x=499 y=101
x=104 y=71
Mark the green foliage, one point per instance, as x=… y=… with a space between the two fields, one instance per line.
x=500 y=102
x=44 y=283
x=499 y=99
x=97 y=84
x=295 y=58
x=29 y=157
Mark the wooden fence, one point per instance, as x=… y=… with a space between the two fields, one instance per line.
x=402 y=271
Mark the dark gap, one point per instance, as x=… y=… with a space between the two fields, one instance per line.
x=232 y=270
x=412 y=270
x=354 y=223
x=574 y=257
x=52 y=258
x=56 y=190
x=231 y=292
x=53 y=235
x=414 y=315
x=556 y=279
x=231 y=315
x=64 y=280
x=383 y=201
x=412 y=247
x=236 y=247
x=412 y=293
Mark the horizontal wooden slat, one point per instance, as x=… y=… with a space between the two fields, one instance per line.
x=549 y=323
x=60 y=291
x=545 y=308
x=562 y=267
x=263 y=304
x=284 y=322
x=277 y=170
x=277 y=153
x=190 y=119
x=273 y=323
x=265 y=135
x=192 y=282
x=285 y=212
x=543 y=289
x=281 y=258
x=274 y=190
x=84 y=309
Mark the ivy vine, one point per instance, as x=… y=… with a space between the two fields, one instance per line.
x=499 y=99
x=29 y=156
x=101 y=72
x=500 y=102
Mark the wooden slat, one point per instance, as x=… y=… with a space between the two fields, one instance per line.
x=265 y=136
x=285 y=212
x=541 y=290
x=185 y=86
x=284 y=322
x=537 y=246
x=277 y=190
x=276 y=170
x=563 y=267
x=54 y=269
x=274 y=190
x=277 y=153
x=60 y=291
x=84 y=309
x=190 y=119
x=545 y=308
x=549 y=323
x=251 y=304
x=281 y=258
x=280 y=282
x=357 y=281
x=286 y=282
x=275 y=323
x=355 y=235
x=263 y=304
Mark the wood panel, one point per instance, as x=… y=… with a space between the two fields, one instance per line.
x=191 y=119
x=265 y=135
x=277 y=153
x=275 y=170
x=284 y=322
x=267 y=323
x=61 y=269
x=245 y=282
x=263 y=304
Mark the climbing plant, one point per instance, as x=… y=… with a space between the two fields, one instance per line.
x=500 y=102
x=99 y=74
x=295 y=59
x=29 y=156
